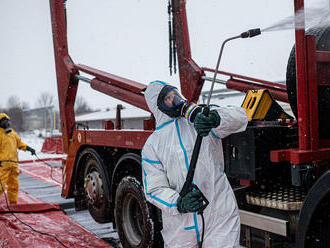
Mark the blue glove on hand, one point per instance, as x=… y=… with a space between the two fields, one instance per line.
x=191 y=202
x=203 y=124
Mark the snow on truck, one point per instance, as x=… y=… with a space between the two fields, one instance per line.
x=278 y=167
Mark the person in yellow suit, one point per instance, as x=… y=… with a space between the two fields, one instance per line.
x=9 y=143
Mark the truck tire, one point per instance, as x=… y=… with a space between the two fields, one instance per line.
x=322 y=40
x=135 y=218
x=96 y=187
x=313 y=225
x=319 y=229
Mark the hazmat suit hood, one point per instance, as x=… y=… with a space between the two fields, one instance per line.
x=4 y=122
x=151 y=95
x=2 y=115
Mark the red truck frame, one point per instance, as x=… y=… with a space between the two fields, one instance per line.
x=126 y=145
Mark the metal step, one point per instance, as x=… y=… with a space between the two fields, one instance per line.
x=265 y=223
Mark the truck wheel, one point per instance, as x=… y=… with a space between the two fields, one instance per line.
x=96 y=188
x=322 y=39
x=133 y=215
x=313 y=225
x=319 y=228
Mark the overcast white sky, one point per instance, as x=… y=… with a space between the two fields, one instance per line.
x=129 y=38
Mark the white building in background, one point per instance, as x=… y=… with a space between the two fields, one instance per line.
x=131 y=118
x=43 y=118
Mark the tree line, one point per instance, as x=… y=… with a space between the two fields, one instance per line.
x=15 y=108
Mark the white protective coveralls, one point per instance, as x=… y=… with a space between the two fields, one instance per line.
x=165 y=161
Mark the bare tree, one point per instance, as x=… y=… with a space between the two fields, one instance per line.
x=81 y=106
x=14 y=110
x=25 y=105
x=45 y=99
x=13 y=102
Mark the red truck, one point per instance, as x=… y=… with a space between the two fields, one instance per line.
x=278 y=169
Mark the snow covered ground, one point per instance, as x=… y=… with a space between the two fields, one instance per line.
x=34 y=140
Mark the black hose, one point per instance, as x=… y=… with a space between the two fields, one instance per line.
x=51 y=168
x=34 y=230
x=169 y=7
x=200 y=244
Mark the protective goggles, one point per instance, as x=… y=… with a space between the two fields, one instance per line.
x=171 y=98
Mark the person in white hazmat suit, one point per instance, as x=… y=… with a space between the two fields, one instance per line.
x=165 y=162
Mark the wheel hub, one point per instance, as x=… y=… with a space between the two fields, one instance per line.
x=133 y=220
x=94 y=188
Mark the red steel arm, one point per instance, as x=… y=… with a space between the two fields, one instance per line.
x=66 y=83
x=120 y=88
x=121 y=82
x=240 y=85
x=134 y=99
x=244 y=83
x=190 y=73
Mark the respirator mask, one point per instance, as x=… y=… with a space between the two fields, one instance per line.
x=174 y=105
x=5 y=124
x=170 y=101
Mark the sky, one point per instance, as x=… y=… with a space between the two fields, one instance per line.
x=130 y=39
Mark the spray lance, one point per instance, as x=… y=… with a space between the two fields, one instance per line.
x=189 y=185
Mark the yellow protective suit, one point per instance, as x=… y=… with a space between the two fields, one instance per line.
x=9 y=143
